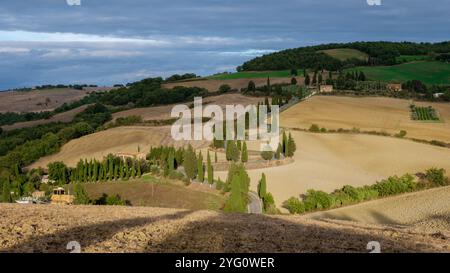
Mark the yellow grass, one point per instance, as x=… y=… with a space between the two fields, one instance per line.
x=116 y=140
x=163 y=112
x=329 y=161
x=380 y=114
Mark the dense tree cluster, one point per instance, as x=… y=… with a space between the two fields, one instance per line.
x=110 y=168
x=176 y=77
x=380 y=53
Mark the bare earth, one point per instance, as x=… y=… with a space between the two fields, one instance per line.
x=28 y=101
x=117 y=140
x=380 y=114
x=62 y=117
x=163 y=112
x=137 y=229
x=426 y=211
x=330 y=161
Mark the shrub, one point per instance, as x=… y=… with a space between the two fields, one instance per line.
x=294 y=205
x=317 y=200
x=395 y=185
x=436 y=177
x=267 y=155
x=314 y=128
x=224 y=88
x=401 y=134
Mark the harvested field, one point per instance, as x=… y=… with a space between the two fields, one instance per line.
x=62 y=117
x=427 y=211
x=213 y=85
x=39 y=100
x=163 y=112
x=116 y=140
x=46 y=228
x=330 y=161
x=379 y=114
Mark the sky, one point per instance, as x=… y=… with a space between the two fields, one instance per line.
x=108 y=42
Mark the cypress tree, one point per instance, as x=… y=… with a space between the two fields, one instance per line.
x=292 y=147
x=307 y=80
x=200 y=169
x=81 y=197
x=190 y=162
x=133 y=170
x=111 y=168
x=6 y=193
x=244 y=156
x=210 y=170
x=139 y=172
x=278 y=152
x=121 y=170
x=116 y=171
x=262 y=187
x=171 y=161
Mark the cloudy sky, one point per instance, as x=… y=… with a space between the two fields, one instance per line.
x=117 y=41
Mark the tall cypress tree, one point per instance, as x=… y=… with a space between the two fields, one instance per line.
x=210 y=170
x=200 y=169
x=262 y=187
x=190 y=162
x=244 y=156
x=111 y=168
x=139 y=172
x=6 y=193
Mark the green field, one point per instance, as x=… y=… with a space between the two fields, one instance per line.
x=427 y=72
x=254 y=75
x=412 y=58
x=343 y=54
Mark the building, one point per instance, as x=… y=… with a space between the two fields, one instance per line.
x=394 y=87
x=38 y=194
x=326 y=88
x=60 y=197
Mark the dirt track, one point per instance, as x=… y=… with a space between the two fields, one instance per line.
x=136 y=229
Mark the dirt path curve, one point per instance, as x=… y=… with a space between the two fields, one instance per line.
x=255 y=204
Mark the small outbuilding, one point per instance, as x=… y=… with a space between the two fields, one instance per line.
x=394 y=87
x=326 y=88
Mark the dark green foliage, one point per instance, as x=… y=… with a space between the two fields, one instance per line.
x=232 y=152
x=6 y=191
x=210 y=169
x=294 y=205
x=267 y=155
x=200 y=168
x=224 y=88
x=81 y=197
x=176 y=77
x=190 y=162
x=244 y=156
x=436 y=177
x=395 y=185
x=314 y=128
x=251 y=86
x=262 y=187
x=238 y=182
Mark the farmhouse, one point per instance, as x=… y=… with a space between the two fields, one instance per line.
x=394 y=87
x=326 y=88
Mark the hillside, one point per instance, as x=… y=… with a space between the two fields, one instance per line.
x=39 y=100
x=427 y=72
x=379 y=114
x=139 y=229
x=343 y=54
x=425 y=210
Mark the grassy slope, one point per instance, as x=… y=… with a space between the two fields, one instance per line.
x=427 y=72
x=343 y=54
x=153 y=192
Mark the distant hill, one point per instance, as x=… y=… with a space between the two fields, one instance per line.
x=320 y=56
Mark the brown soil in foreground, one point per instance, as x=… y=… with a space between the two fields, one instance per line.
x=117 y=140
x=425 y=210
x=39 y=100
x=163 y=112
x=62 y=117
x=379 y=114
x=49 y=228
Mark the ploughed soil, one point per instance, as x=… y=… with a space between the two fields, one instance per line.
x=49 y=228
